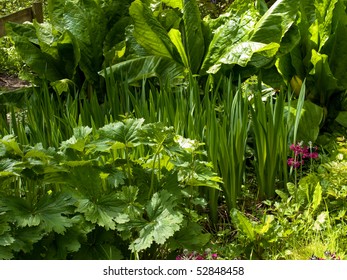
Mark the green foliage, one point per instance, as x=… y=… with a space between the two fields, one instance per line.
x=190 y=44
x=245 y=32
x=158 y=49
x=271 y=131
x=8 y=7
x=314 y=213
x=233 y=133
x=99 y=189
x=257 y=236
x=310 y=119
x=73 y=44
x=10 y=61
x=318 y=56
x=138 y=181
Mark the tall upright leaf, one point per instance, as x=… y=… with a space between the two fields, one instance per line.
x=87 y=22
x=337 y=44
x=194 y=39
x=149 y=33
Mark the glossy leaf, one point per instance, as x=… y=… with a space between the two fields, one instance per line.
x=245 y=37
x=148 y=31
x=142 y=68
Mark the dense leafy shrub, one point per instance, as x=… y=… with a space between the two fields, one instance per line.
x=132 y=188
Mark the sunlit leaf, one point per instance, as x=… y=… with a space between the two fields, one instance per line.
x=124 y=132
x=317 y=196
x=105 y=212
x=243 y=224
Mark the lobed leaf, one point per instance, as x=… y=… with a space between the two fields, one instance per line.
x=163 y=221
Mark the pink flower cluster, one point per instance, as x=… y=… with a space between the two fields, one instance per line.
x=300 y=153
x=207 y=255
x=328 y=255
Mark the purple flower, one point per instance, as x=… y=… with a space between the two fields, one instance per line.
x=314 y=155
x=300 y=153
x=294 y=163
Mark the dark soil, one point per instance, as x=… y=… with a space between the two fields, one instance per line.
x=10 y=82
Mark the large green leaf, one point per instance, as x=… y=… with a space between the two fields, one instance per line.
x=176 y=38
x=245 y=38
x=26 y=237
x=88 y=24
x=320 y=57
x=78 y=140
x=336 y=45
x=194 y=39
x=325 y=82
x=149 y=33
x=141 y=68
x=105 y=211
x=126 y=132
x=44 y=61
x=63 y=47
x=173 y=3
x=49 y=212
x=309 y=121
x=10 y=144
x=275 y=23
x=231 y=28
x=324 y=14
x=163 y=221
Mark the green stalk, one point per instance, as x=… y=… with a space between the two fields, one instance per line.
x=270 y=134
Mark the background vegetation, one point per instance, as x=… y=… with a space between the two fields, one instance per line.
x=168 y=128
